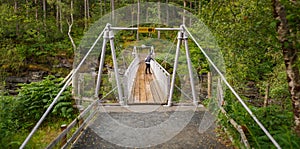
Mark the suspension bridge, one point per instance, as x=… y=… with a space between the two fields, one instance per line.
x=145 y=114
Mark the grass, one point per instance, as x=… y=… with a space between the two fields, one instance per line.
x=42 y=137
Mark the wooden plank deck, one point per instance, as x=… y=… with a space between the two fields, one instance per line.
x=145 y=88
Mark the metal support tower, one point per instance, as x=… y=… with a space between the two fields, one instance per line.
x=109 y=36
x=182 y=35
x=188 y=59
x=179 y=38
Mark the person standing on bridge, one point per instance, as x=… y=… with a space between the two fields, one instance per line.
x=147 y=61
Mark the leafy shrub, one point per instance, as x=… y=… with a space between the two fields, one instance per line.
x=8 y=125
x=19 y=113
x=36 y=97
x=277 y=120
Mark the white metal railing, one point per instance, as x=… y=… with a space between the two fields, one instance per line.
x=233 y=91
x=129 y=77
x=162 y=77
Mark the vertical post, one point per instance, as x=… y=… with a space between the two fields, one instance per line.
x=188 y=59
x=209 y=79
x=64 y=139
x=179 y=38
x=267 y=95
x=102 y=58
x=220 y=93
x=113 y=52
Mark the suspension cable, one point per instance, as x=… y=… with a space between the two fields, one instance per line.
x=233 y=91
x=172 y=46
x=60 y=92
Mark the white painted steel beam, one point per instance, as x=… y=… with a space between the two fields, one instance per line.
x=188 y=59
x=136 y=28
x=102 y=58
x=179 y=38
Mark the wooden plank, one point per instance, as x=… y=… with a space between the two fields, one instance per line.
x=136 y=91
x=149 y=95
x=146 y=89
x=142 y=83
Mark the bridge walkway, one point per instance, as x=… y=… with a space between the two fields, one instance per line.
x=145 y=88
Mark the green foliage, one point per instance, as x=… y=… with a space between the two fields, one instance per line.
x=7 y=124
x=36 y=97
x=19 y=113
x=277 y=121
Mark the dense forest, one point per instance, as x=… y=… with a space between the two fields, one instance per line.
x=259 y=41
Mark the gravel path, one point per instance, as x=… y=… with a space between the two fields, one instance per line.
x=150 y=127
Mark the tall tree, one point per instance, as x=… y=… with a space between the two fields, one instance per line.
x=138 y=18
x=36 y=10
x=159 y=17
x=16 y=13
x=70 y=24
x=290 y=59
x=86 y=13
x=27 y=9
x=60 y=17
x=44 y=13
x=101 y=8
x=112 y=4
x=167 y=17
x=184 y=11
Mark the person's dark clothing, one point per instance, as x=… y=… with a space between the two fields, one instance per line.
x=147 y=61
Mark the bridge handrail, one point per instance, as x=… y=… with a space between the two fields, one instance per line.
x=232 y=90
x=129 y=76
x=162 y=68
x=72 y=125
x=163 y=77
x=77 y=120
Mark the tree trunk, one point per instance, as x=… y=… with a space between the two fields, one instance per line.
x=70 y=23
x=60 y=17
x=44 y=9
x=85 y=14
x=167 y=13
x=36 y=10
x=27 y=9
x=159 y=17
x=190 y=20
x=184 y=11
x=101 y=8
x=112 y=3
x=267 y=95
x=57 y=13
x=37 y=15
x=88 y=9
x=138 y=19
x=290 y=60
x=104 y=6
x=44 y=13
x=16 y=13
